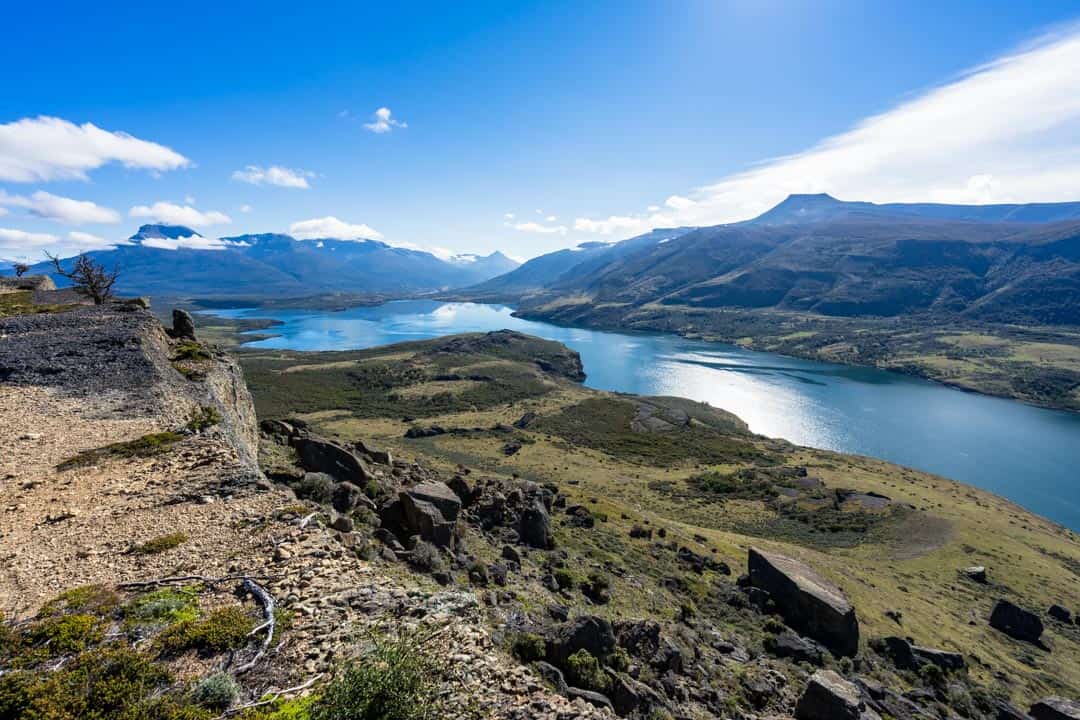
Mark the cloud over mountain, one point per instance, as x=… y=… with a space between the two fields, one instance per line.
x=331 y=227
x=173 y=214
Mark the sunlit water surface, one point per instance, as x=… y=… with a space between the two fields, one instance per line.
x=1027 y=454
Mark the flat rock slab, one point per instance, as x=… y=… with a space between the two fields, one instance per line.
x=830 y=697
x=1055 y=708
x=809 y=603
x=440 y=495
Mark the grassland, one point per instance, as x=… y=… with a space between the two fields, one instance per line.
x=710 y=486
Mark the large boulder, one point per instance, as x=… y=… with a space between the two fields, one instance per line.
x=535 y=526
x=1055 y=708
x=829 y=697
x=808 y=602
x=183 y=325
x=587 y=632
x=913 y=657
x=320 y=455
x=440 y=495
x=789 y=645
x=424 y=518
x=1061 y=613
x=1016 y=622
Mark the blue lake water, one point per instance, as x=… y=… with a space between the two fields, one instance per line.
x=1027 y=454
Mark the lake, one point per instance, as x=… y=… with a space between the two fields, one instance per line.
x=1027 y=454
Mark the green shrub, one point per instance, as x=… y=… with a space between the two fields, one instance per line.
x=224 y=629
x=104 y=684
x=191 y=350
x=96 y=599
x=426 y=556
x=584 y=671
x=566 y=578
x=394 y=680
x=281 y=709
x=205 y=416
x=216 y=692
x=161 y=543
x=66 y=633
x=619 y=660
x=145 y=446
x=167 y=605
x=529 y=647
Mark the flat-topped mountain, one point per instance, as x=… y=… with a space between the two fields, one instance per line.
x=177 y=261
x=813 y=253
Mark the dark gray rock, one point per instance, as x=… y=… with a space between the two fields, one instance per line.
x=593 y=698
x=587 y=632
x=580 y=516
x=1055 y=708
x=510 y=554
x=463 y=489
x=551 y=675
x=789 y=645
x=629 y=695
x=342 y=523
x=829 y=697
x=1060 y=613
x=913 y=657
x=321 y=455
x=807 y=601
x=183 y=325
x=1016 y=622
x=440 y=495
x=424 y=519
x=535 y=526
x=346 y=497
x=1006 y=711
x=976 y=573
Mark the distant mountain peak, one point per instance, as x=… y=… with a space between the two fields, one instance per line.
x=160 y=231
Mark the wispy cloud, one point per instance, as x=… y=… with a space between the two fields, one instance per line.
x=1007 y=131
x=331 y=227
x=12 y=239
x=383 y=121
x=48 y=148
x=539 y=228
x=172 y=214
x=274 y=175
x=53 y=207
x=193 y=242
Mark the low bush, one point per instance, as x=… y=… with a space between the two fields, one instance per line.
x=161 y=543
x=584 y=671
x=205 y=416
x=145 y=446
x=224 y=629
x=65 y=633
x=216 y=692
x=191 y=350
x=426 y=557
x=528 y=647
x=164 y=606
x=395 y=679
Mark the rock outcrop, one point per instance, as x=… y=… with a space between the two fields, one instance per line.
x=830 y=697
x=808 y=602
x=1055 y=708
x=1016 y=622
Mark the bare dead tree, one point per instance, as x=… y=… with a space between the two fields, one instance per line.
x=88 y=277
x=21 y=269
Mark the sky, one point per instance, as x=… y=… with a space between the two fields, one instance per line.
x=523 y=127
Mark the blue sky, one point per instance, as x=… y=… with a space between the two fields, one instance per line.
x=583 y=121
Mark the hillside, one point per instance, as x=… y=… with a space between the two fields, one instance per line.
x=636 y=516
x=459 y=528
x=179 y=262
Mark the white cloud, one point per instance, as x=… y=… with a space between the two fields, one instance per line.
x=382 y=121
x=535 y=227
x=171 y=214
x=613 y=224
x=245 y=208
x=1007 y=131
x=189 y=199
x=193 y=242
x=62 y=209
x=331 y=227
x=86 y=241
x=3 y=212
x=551 y=218
x=20 y=239
x=274 y=175
x=49 y=148
x=508 y=216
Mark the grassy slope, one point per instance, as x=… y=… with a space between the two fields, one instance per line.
x=1036 y=365
x=907 y=562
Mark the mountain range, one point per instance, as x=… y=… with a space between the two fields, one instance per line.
x=176 y=260
x=818 y=254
